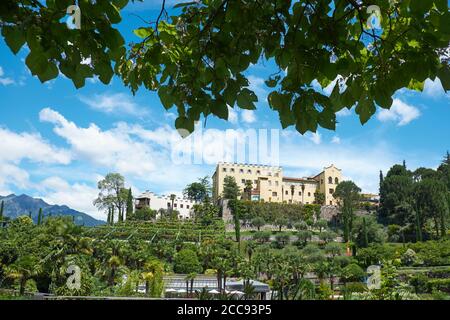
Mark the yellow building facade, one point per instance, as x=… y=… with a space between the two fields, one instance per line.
x=270 y=185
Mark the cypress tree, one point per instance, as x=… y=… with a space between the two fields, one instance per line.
x=129 y=204
x=40 y=217
x=1 y=210
x=366 y=236
x=112 y=215
x=418 y=228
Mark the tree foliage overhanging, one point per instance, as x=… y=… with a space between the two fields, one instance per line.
x=197 y=57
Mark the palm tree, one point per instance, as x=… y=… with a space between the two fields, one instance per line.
x=23 y=269
x=113 y=263
x=190 y=280
x=292 y=192
x=172 y=199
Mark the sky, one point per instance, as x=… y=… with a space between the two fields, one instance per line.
x=57 y=142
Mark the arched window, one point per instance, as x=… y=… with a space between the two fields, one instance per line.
x=330 y=180
x=336 y=180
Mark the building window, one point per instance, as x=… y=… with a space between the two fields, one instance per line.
x=336 y=180
x=330 y=180
x=174 y=205
x=168 y=204
x=232 y=170
x=299 y=193
x=249 y=171
x=331 y=191
x=243 y=180
x=276 y=183
x=286 y=192
x=309 y=194
x=331 y=203
x=187 y=206
x=224 y=169
x=258 y=172
x=274 y=194
x=269 y=174
x=321 y=181
x=256 y=181
x=241 y=170
x=181 y=206
x=307 y=202
x=276 y=174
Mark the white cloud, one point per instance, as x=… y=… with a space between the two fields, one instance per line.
x=30 y=146
x=248 y=116
x=316 y=137
x=12 y=175
x=78 y=196
x=400 y=112
x=232 y=115
x=336 y=140
x=359 y=163
x=258 y=86
x=344 y=112
x=434 y=88
x=112 y=148
x=5 y=80
x=17 y=147
x=114 y=103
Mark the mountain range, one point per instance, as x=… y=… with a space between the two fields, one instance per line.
x=15 y=206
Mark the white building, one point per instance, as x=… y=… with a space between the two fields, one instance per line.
x=153 y=201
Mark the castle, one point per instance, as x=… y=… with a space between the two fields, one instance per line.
x=270 y=185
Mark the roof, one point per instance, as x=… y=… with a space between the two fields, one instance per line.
x=299 y=179
x=178 y=281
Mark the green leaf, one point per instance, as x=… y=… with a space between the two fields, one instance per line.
x=444 y=75
x=184 y=125
x=383 y=98
x=165 y=94
x=365 y=109
x=220 y=109
x=14 y=38
x=143 y=32
x=420 y=6
x=104 y=71
x=246 y=98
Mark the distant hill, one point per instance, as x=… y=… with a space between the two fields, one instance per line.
x=15 y=206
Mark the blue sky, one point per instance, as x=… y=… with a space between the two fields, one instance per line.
x=57 y=141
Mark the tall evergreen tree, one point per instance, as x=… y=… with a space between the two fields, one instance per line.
x=231 y=192
x=348 y=194
x=365 y=234
x=40 y=217
x=2 y=205
x=129 y=212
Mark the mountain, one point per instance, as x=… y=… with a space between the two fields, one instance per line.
x=15 y=206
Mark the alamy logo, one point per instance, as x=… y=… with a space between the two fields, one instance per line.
x=74 y=280
x=74 y=19
x=374 y=279
x=374 y=21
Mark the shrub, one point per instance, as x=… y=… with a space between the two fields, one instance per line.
x=262 y=236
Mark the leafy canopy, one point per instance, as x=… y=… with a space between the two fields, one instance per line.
x=197 y=58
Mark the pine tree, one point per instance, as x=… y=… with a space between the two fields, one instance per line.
x=129 y=204
x=1 y=210
x=404 y=164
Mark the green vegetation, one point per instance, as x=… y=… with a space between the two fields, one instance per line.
x=196 y=57
x=289 y=246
